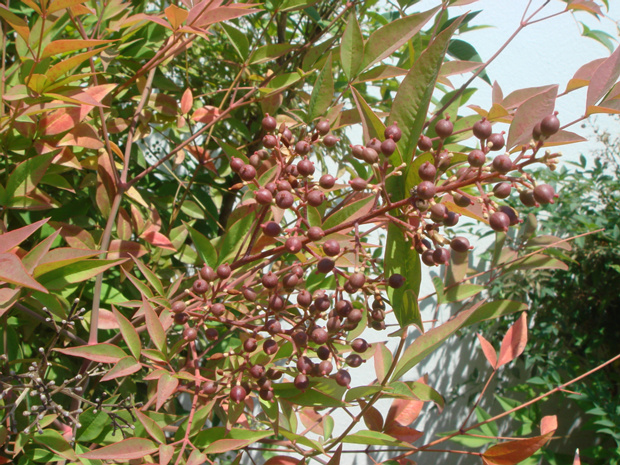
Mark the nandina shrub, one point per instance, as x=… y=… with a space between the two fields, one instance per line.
x=188 y=265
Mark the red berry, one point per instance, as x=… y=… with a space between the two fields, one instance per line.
x=451 y=219
x=544 y=193
x=331 y=247
x=358 y=184
x=250 y=345
x=396 y=281
x=238 y=394
x=271 y=229
x=393 y=132
x=425 y=143
x=293 y=244
x=218 y=309
x=302 y=147
x=460 y=244
x=178 y=307
x=323 y=127
x=181 y=318
x=427 y=258
x=359 y=345
x=327 y=181
x=325 y=368
x=476 y=158
x=355 y=316
x=354 y=360
x=263 y=196
x=343 y=308
x=247 y=172
x=319 y=336
x=224 y=271
x=444 y=128
x=388 y=147
x=304 y=298
x=343 y=378
x=357 y=280
x=315 y=233
x=502 y=190
x=270 y=347
x=502 y=164
x=374 y=144
x=482 y=129
x=257 y=371
x=527 y=198
x=427 y=171
x=212 y=334
x=301 y=382
x=249 y=294
x=315 y=198
x=269 y=123
x=236 y=164
x=270 y=141
x=200 y=286
x=190 y=334
x=290 y=281
x=284 y=199
x=305 y=166
x=439 y=212
x=370 y=155
x=499 y=221
x=441 y=256
x=426 y=190
x=300 y=338
x=270 y=280
x=549 y=125
x=496 y=142
x=323 y=352
x=461 y=200
x=514 y=218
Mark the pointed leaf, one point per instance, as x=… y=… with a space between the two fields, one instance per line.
x=383 y=360
x=371 y=124
x=150 y=276
x=528 y=115
x=129 y=333
x=166 y=387
x=352 y=48
x=76 y=273
x=17 y=23
x=514 y=341
x=603 y=78
x=63 y=46
x=488 y=350
x=384 y=41
x=204 y=247
x=282 y=460
x=269 y=52
x=322 y=92
x=495 y=309
x=26 y=176
x=548 y=424
x=187 y=101
x=403 y=433
x=372 y=417
x=13 y=271
x=11 y=239
x=225 y=445
x=124 y=367
x=403 y=411
x=175 y=15
x=57 y=5
x=154 y=326
x=101 y=353
x=61 y=257
x=513 y=452
x=411 y=103
x=350 y=212
x=127 y=449
x=57 y=443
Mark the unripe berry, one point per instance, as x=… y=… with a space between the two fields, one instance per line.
x=527 y=198
x=441 y=256
x=200 y=286
x=323 y=127
x=370 y=155
x=284 y=199
x=270 y=141
x=271 y=229
x=502 y=164
x=482 y=129
x=354 y=360
x=178 y=307
x=293 y=244
x=343 y=378
x=499 y=221
x=444 y=128
x=476 y=158
x=304 y=298
x=223 y=271
x=250 y=345
x=236 y=164
x=426 y=190
x=549 y=125
x=238 y=394
x=425 y=143
x=358 y=184
x=451 y=219
x=270 y=347
x=393 y=132
x=269 y=280
x=502 y=190
x=396 y=281
x=302 y=147
x=319 y=336
x=247 y=172
x=181 y=318
x=544 y=193
x=427 y=171
x=190 y=334
x=269 y=123
x=374 y=144
x=315 y=233
x=331 y=247
x=218 y=309
x=325 y=265
x=315 y=198
x=460 y=244
x=301 y=382
x=388 y=147
x=427 y=258
x=514 y=218
x=357 y=280
x=330 y=140
x=496 y=142
x=359 y=345
x=263 y=196
x=327 y=181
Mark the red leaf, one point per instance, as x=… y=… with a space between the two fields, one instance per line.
x=372 y=417
x=69 y=45
x=206 y=114
x=176 y=16
x=157 y=239
x=403 y=411
x=513 y=452
x=166 y=387
x=529 y=114
x=311 y=419
x=577 y=459
x=403 y=433
x=59 y=121
x=82 y=135
x=13 y=271
x=603 y=78
x=186 y=101
x=584 y=74
x=488 y=350
x=127 y=449
x=548 y=424
x=13 y=238
x=514 y=341
x=282 y=460
x=101 y=353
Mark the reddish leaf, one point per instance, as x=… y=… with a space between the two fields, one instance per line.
x=125 y=249
x=107 y=320
x=584 y=74
x=101 y=353
x=151 y=427
x=187 y=101
x=127 y=449
x=603 y=78
x=176 y=16
x=312 y=419
x=196 y=458
x=513 y=452
x=562 y=138
x=157 y=239
x=403 y=433
x=282 y=460
x=577 y=459
x=82 y=135
x=13 y=271
x=75 y=236
x=11 y=239
x=516 y=98
x=403 y=411
x=585 y=5
x=206 y=114
x=166 y=387
x=548 y=424
x=154 y=326
x=62 y=46
x=383 y=360
x=529 y=114
x=225 y=445
x=124 y=367
x=166 y=453
x=199 y=16
x=59 y=121
x=488 y=350
x=61 y=257
x=372 y=417
x=57 y=5
x=514 y=341
x=17 y=23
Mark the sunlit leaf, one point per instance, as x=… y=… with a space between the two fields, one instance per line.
x=127 y=449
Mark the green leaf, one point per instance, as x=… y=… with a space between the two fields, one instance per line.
x=150 y=276
x=352 y=48
x=371 y=124
x=26 y=176
x=401 y=258
x=439 y=289
x=203 y=245
x=414 y=95
x=349 y=213
x=269 y=52
x=129 y=333
x=292 y=5
x=76 y=273
x=62 y=257
x=233 y=240
x=362 y=391
x=238 y=40
x=373 y=438
x=154 y=326
x=384 y=41
x=54 y=441
x=466 y=52
x=100 y=353
x=127 y=449
x=322 y=92
x=491 y=310
x=462 y=292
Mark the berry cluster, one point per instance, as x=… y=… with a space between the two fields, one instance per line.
x=298 y=307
